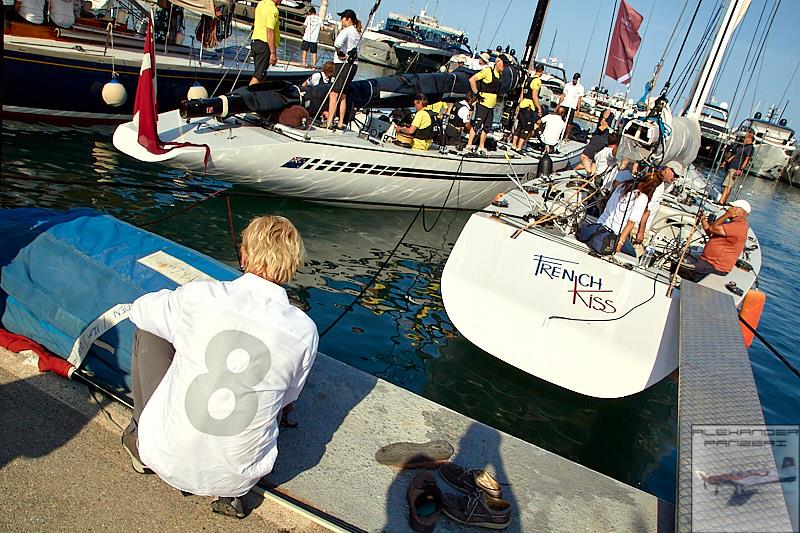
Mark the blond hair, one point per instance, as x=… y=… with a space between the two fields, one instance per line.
x=272 y=248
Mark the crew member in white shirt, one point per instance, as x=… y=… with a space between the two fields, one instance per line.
x=571 y=99
x=311 y=27
x=605 y=158
x=625 y=209
x=62 y=13
x=553 y=124
x=323 y=76
x=666 y=177
x=207 y=422
x=346 y=44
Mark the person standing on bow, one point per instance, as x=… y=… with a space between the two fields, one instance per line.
x=529 y=109
x=266 y=38
x=485 y=83
x=735 y=164
x=213 y=364
x=345 y=66
x=571 y=100
x=311 y=27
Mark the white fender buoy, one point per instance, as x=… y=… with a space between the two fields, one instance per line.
x=197 y=92
x=114 y=93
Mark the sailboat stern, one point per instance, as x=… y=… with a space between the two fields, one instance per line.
x=545 y=306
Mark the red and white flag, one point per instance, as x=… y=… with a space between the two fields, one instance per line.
x=624 y=44
x=145 y=109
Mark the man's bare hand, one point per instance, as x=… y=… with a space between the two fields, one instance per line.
x=273 y=58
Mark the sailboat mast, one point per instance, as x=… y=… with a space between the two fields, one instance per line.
x=705 y=79
x=535 y=33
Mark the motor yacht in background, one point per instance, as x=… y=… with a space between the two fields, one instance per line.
x=774 y=144
x=714 y=131
x=413 y=44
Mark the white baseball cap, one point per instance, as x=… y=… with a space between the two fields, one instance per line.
x=742 y=204
x=676 y=167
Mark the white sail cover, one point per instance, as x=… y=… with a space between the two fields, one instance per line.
x=204 y=7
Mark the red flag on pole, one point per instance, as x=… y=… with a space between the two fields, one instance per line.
x=624 y=44
x=145 y=110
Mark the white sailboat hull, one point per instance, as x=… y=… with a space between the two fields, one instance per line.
x=541 y=303
x=335 y=166
x=555 y=312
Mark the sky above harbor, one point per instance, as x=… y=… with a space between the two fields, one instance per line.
x=568 y=30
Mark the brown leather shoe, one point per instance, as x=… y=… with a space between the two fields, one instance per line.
x=424 y=502
x=478 y=509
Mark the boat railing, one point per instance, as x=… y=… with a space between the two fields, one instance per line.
x=131 y=14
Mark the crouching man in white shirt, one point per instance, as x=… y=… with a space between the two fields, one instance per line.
x=207 y=423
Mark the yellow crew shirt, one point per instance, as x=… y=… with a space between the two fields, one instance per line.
x=421 y=121
x=267 y=17
x=489 y=99
x=536 y=84
x=437 y=107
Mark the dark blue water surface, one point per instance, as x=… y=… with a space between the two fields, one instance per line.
x=399 y=331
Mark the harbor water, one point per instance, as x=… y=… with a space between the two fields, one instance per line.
x=399 y=330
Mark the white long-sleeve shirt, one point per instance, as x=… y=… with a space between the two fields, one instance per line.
x=242 y=352
x=346 y=40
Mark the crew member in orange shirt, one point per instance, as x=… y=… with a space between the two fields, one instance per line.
x=728 y=235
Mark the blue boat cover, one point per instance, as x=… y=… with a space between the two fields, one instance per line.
x=61 y=270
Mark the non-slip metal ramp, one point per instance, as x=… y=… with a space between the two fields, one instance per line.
x=726 y=467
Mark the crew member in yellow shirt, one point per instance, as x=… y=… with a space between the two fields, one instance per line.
x=528 y=103
x=421 y=128
x=489 y=80
x=266 y=38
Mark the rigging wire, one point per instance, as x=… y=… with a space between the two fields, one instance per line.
x=745 y=68
x=608 y=43
x=591 y=36
x=728 y=54
x=700 y=52
x=480 y=31
x=670 y=41
x=683 y=44
x=499 y=24
x=780 y=102
x=763 y=46
x=644 y=38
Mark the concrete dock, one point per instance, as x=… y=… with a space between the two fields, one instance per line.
x=62 y=466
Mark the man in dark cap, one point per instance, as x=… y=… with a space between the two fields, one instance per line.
x=571 y=101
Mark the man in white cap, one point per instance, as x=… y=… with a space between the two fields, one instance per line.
x=727 y=237
x=667 y=174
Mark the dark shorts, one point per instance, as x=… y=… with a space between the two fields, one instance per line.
x=569 y=116
x=308 y=46
x=484 y=117
x=260 y=51
x=343 y=74
x=596 y=143
x=525 y=121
